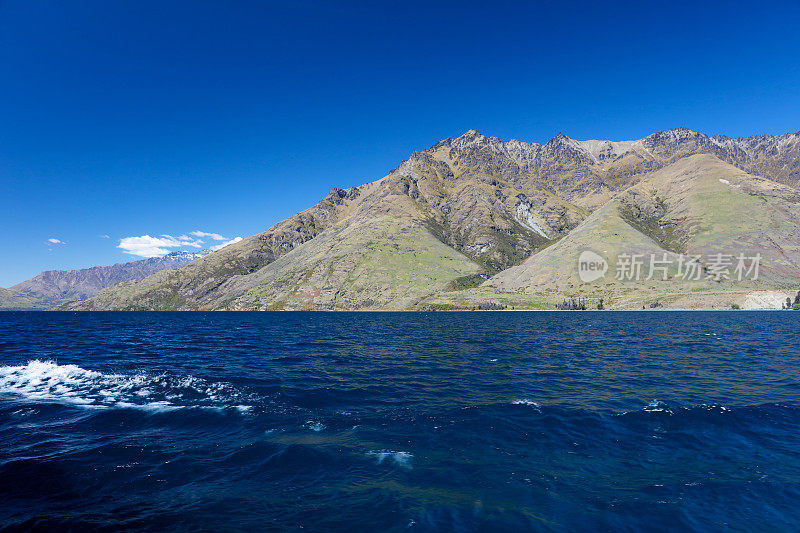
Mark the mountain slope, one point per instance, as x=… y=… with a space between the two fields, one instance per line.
x=715 y=208
x=697 y=206
x=378 y=254
x=13 y=301
x=379 y=263
x=604 y=232
x=86 y=282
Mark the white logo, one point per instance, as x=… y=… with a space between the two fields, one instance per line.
x=591 y=266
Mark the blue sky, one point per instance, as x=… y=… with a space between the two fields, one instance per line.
x=126 y=119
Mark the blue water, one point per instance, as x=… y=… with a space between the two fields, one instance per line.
x=580 y=421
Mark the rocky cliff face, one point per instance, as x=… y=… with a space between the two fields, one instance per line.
x=490 y=202
x=86 y=282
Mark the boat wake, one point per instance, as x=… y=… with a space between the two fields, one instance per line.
x=49 y=382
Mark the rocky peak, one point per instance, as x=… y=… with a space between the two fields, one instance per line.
x=561 y=141
x=559 y=138
x=470 y=138
x=675 y=136
x=471 y=134
x=562 y=149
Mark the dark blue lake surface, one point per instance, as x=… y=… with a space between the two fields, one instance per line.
x=580 y=421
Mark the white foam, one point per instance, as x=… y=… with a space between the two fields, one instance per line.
x=523 y=401
x=47 y=381
x=313 y=425
x=657 y=407
x=399 y=457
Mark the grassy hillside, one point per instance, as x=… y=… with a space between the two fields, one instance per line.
x=382 y=263
x=717 y=208
x=555 y=268
x=384 y=258
x=696 y=206
x=12 y=300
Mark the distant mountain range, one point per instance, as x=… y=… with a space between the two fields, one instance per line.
x=53 y=285
x=477 y=222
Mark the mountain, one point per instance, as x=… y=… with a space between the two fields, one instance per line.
x=86 y=282
x=476 y=220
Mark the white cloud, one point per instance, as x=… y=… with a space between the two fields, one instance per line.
x=105 y=236
x=55 y=241
x=147 y=246
x=184 y=240
x=215 y=236
x=226 y=243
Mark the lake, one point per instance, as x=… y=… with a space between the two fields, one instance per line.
x=477 y=421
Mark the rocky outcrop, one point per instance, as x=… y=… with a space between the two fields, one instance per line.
x=764 y=300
